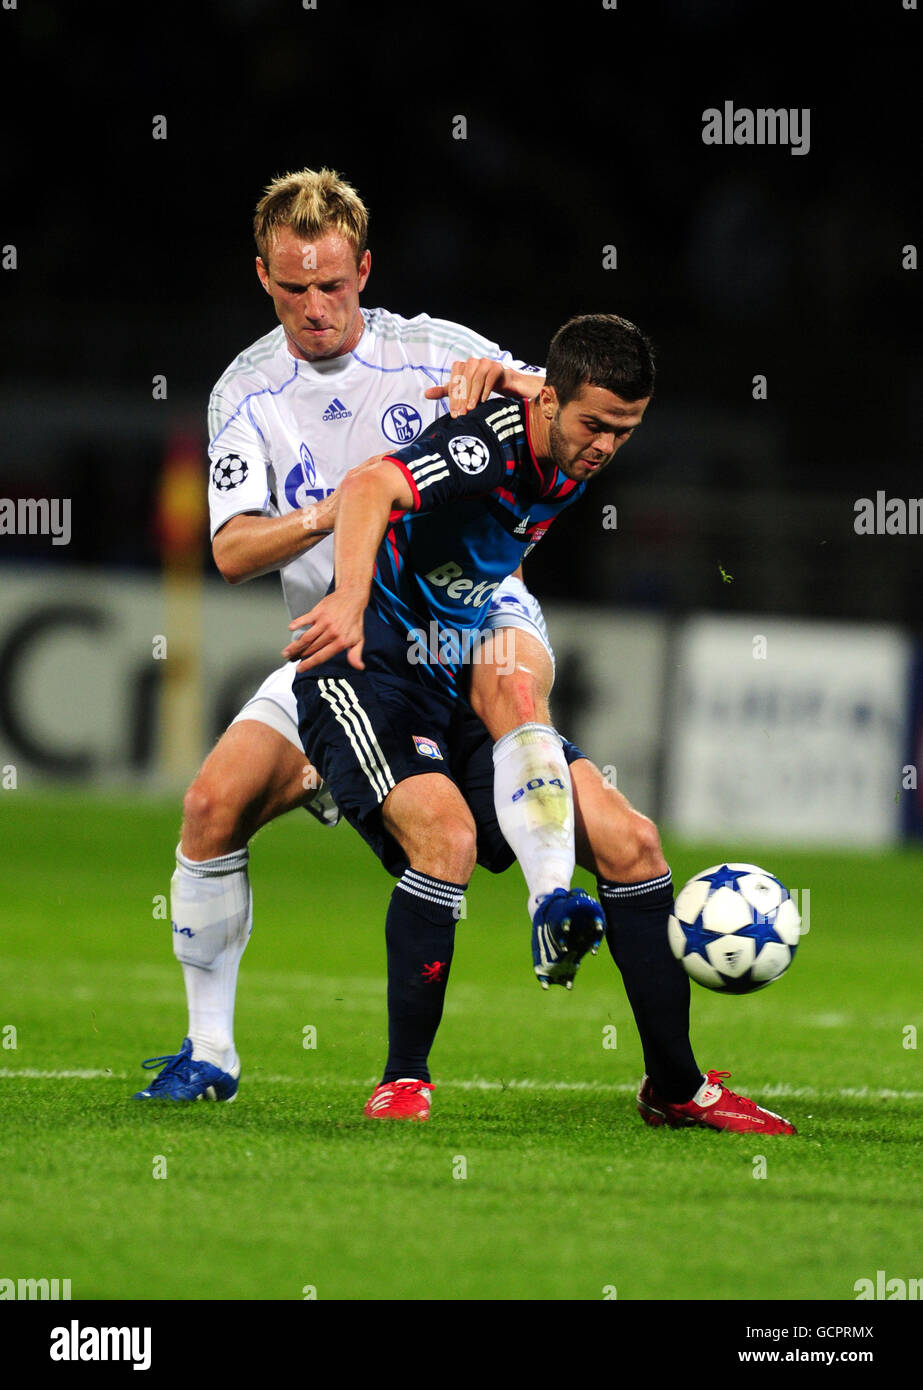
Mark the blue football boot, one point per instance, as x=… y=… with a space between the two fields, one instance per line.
x=184 y=1079
x=566 y=925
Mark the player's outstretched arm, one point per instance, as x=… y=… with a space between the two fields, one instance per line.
x=367 y=496
x=251 y=544
x=474 y=380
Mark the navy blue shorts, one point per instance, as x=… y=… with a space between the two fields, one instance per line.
x=366 y=731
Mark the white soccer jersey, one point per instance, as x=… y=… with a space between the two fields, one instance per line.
x=284 y=432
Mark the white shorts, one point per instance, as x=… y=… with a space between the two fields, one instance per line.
x=274 y=703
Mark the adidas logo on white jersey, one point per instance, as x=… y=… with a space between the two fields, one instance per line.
x=336 y=410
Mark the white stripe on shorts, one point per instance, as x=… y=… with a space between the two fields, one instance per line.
x=353 y=720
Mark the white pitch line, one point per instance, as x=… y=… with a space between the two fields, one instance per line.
x=83 y=1074
x=482 y=1084
x=629 y=1088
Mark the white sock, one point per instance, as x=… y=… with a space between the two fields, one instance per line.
x=212 y=916
x=708 y=1092
x=534 y=801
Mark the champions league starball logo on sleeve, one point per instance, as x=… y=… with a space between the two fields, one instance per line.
x=229 y=472
x=470 y=454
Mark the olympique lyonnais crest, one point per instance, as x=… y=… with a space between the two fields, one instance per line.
x=426 y=747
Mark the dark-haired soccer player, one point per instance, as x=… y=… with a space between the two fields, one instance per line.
x=424 y=535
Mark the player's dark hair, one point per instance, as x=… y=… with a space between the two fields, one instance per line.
x=600 y=350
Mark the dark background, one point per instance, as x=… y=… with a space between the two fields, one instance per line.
x=584 y=125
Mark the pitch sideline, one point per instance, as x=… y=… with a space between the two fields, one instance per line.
x=481 y=1084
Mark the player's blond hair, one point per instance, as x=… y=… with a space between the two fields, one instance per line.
x=313 y=203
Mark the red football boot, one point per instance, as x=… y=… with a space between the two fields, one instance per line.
x=718 y=1108
x=399 y=1100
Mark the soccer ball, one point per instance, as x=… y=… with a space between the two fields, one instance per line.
x=734 y=928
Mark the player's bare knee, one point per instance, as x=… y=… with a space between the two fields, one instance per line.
x=461 y=843
x=648 y=847
x=196 y=807
x=445 y=848
x=635 y=854
x=434 y=827
x=211 y=824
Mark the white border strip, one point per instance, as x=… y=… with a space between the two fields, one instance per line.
x=481 y=1084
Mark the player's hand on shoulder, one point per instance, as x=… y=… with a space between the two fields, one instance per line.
x=334 y=625
x=470 y=383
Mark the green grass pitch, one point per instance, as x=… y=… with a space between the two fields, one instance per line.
x=535 y=1178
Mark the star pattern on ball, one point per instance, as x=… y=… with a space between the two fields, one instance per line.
x=761 y=929
x=697 y=938
x=724 y=877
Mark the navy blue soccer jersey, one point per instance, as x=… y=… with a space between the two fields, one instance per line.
x=482 y=501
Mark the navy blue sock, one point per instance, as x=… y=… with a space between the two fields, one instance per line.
x=420 y=934
x=656 y=984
